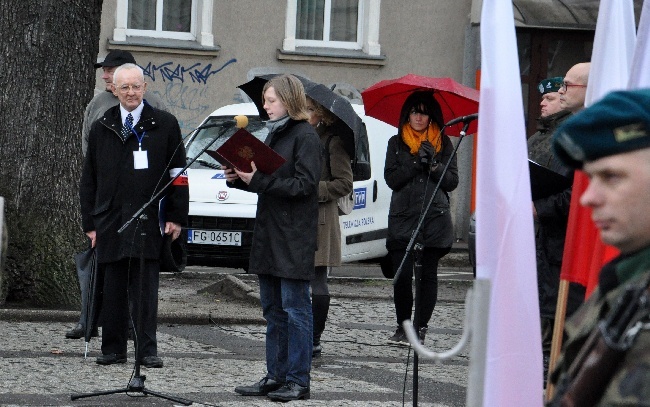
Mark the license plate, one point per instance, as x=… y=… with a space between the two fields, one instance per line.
x=215 y=237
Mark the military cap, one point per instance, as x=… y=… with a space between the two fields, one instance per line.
x=549 y=85
x=618 y=123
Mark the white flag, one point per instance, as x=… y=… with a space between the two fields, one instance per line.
x=505 y=243
x=640 y=72
x=611 y=57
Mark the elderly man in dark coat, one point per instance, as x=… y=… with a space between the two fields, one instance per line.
x=134 y=150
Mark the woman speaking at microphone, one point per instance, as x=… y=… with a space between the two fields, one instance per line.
x=284 y=240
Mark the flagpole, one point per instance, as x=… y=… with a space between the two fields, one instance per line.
x=558 y=329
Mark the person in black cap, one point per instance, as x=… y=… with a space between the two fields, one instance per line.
x=104 y=100
x=610 y=142
x=551 y=214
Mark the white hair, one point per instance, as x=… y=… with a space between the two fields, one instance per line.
x=128 y=66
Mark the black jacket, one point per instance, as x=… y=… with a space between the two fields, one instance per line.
x=413 y=186
x=552 y=211
x=284 y=238
x=111 y=190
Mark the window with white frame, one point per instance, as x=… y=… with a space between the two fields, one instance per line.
x=343 y=24
x=189 y=20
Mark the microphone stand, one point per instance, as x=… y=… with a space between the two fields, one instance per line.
x=136 y=384
x=416 y=249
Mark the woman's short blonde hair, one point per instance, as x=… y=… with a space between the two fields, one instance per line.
x=326 y=116
x=291 y=93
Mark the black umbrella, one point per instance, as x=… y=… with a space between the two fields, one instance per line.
x=336 y=104
x=86 y=263
x=253 y=89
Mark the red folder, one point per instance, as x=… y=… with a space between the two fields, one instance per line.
x=242 y=148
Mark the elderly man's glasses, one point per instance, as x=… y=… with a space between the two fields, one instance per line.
x=127 y=88
x=565 y=86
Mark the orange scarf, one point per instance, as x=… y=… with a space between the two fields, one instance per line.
x=413 y=139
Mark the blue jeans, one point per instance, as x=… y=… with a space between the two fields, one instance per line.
x=286 y=307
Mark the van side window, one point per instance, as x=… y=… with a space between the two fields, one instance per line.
x=361 y=161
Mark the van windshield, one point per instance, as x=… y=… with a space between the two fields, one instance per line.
x=204 y=137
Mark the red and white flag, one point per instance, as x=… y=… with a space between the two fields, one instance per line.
x=640 y=72
x=611 y=63
x=505 y=243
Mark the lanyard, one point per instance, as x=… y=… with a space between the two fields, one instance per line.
x=138 y=136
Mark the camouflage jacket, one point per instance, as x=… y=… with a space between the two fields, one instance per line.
x=630 y=385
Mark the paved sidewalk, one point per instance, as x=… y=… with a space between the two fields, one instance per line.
x=211 y=338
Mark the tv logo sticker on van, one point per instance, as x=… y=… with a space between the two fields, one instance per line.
x=359 y=198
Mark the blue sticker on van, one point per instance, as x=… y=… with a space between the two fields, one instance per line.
x=219 y=175
x=359 y=198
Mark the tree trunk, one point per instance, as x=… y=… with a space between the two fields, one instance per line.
x=47 y=51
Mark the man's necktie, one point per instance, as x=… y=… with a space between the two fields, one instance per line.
x=126 y=128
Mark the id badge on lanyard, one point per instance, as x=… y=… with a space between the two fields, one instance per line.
x=140 y=159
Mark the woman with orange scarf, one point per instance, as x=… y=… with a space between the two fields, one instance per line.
x=415 y=159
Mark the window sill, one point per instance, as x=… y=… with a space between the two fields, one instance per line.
x=332 y=56
x=164 y=46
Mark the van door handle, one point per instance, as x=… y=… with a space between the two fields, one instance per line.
x=374 y=191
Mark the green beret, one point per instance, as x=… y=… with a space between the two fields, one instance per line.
x=618 y=123
x=549 y=85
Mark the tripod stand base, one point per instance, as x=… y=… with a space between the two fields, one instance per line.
x=136 y=385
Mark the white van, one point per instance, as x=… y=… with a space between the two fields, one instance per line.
x=221 y=219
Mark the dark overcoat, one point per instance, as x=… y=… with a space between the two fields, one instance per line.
x=413 y=185
x=111 y=190
x=551 y=223
x=284 y=238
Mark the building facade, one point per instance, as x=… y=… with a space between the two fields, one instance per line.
x=195 y=52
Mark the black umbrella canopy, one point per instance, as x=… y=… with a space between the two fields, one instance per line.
x=253 y=89
x=336 y=104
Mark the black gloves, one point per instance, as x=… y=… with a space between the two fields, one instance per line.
x=426 y=152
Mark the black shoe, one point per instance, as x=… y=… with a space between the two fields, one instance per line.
x=151 y=362
x=290 y=391
x=111 y=358
x=76 y=332
x=79 y=332
x=261 y=388
x=316 y=351
x=399 y=337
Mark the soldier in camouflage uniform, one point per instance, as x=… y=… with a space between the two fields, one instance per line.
x=610 y=141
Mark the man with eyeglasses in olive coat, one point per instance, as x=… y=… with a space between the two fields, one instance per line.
x=133 y=151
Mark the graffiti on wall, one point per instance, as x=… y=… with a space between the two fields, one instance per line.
x=185 y=91
x=197 y=73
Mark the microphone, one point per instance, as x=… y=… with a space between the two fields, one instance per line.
x=239 y=121
x=464 y=119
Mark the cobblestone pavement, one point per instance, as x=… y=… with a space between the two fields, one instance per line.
x=211 y=338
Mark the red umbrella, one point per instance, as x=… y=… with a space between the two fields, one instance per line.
x=384 y=99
